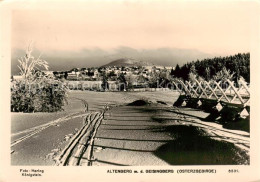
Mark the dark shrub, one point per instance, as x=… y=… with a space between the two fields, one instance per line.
x=45 y=95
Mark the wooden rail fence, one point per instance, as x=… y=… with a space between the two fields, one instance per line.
x=224 y=90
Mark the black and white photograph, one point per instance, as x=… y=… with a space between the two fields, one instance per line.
x=121 y=84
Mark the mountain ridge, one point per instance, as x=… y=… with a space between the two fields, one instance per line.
x=127 y=62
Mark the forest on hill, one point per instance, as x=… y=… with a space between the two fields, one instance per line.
x=238 y=64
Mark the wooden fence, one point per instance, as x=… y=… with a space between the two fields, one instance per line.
x=224 y=90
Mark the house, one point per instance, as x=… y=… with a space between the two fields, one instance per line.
x=117 y=72
x=48 y=73
x=96 y=73
x=72 y=76
x=169 y=68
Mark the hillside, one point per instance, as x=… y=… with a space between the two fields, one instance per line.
x=127 y=62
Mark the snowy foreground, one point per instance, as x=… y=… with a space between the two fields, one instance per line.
x=153 y=134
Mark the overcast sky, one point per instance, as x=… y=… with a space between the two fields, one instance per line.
x=102 y=29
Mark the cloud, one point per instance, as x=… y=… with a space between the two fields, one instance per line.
x=66 y=60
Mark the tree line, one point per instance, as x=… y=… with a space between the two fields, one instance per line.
x=238 y=64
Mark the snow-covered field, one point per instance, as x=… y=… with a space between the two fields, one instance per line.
x=39 y=138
